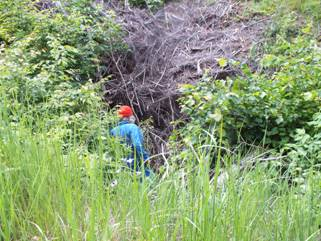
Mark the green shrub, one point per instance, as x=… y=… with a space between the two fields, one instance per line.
x=266 y=106
x=50 y=64
x=14 y=22
x=305 y=151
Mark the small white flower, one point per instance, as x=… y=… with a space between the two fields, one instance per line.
x=114 y=183
x=130 y=161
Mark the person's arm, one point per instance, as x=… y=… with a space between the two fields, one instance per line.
x=138 y=143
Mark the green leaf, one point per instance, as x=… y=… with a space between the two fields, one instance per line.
x=222 y=62
x=279 y=120
x=308 y=96
x=217 y=115
x=307 y=29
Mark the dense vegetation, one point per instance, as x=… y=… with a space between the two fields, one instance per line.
x=246 y=165
x=266 y=106
x=51 y=61
x=45 y=195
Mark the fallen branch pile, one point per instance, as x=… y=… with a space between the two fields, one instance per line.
x=172 y=47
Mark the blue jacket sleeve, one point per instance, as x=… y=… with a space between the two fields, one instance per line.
x=137 y=139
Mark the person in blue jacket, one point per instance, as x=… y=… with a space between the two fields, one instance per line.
x=132 y=135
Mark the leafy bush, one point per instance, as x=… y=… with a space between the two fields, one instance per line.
x=305 y=151
x=266 y=106
x=49 y=64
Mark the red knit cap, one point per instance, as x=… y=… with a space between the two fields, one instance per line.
x=125 y=111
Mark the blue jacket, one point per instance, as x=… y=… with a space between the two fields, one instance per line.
x=133 y=137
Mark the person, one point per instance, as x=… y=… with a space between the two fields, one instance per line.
x=132 y=135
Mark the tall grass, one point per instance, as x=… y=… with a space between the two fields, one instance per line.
x=51 y=194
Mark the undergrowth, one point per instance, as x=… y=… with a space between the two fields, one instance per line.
x=57 y=158
x=310 y=8
x=265 y=107
x=48 y=194
x=52 y=63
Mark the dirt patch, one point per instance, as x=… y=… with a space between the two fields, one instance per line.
x=172 y=47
